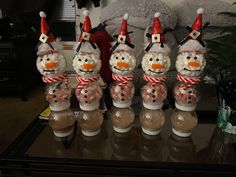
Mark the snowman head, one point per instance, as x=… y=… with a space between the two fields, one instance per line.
x=122 y=62
x=190 y=63
x=155 y=64
x=86 y=64
x=51 y=64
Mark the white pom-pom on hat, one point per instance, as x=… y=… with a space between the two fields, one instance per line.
x=200 y=11
x=126 y=16
x=42 y=14
x=86 y=12
x=157 y=14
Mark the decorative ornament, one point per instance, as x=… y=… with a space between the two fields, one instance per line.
x=51 y=64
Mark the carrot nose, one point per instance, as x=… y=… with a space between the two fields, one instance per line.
x=194 y=64
x=157 y=66
x=51 y=65
x=122 y=64
x=88 y=66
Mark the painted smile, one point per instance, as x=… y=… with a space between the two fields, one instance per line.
x=155 y=71
x=121 y=69
x=86 y=71
x=47 y=70
x=191 y=70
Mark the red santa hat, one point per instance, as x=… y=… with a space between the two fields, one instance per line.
x=123 y=42
x=86 y=28
x=157 y=38
x=46 y=35
x=157 y=31
x=49 y=44
x=194 y=42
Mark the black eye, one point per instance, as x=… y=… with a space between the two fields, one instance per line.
x=150 y=59
x=157 y=59
x=122 y=58
x=188 y=57
x=54 y=91
x=41 y=59
x=195 y=58
x=48 y=59
x=86 y=60
x=85 y=91
x=117 y=58
x=79 y=59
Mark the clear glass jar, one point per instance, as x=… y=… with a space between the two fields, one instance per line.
x=152 y=121
x=62 y=122
x=153 y=95
x=58 y=95
x=90 y=122
x=122 y=94
x=89 y=97
x=183 y=122
x=122 y=119
x=186 y=96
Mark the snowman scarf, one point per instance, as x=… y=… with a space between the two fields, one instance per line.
x=83 y=82
x=123 y=80
x=154 y=79
x=49 y=80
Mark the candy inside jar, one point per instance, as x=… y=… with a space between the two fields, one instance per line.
x=62 y=122
x=89 y=97
x=153 y=95
x=122 y=94
x=58 y=95
x=186 y=96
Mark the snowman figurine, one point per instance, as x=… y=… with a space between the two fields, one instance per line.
x=51 y=64
x=87 y=65
x=190 y=64
x=122 y=64
x=155 y=64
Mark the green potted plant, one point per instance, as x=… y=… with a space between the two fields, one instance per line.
x=221 y=65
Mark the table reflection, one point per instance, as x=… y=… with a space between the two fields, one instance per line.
x=151 y=147
x=181 y=149
x=125 y=145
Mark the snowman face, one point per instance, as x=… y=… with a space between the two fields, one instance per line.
x=51 y=65
x=86 y=64
x=122 y=63
x=155 y=64
x=190 y=64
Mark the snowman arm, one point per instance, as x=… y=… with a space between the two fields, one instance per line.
x=129 y=44
x=79 y=46
x=207 y=24
x=92 y=44
x=148 y=47
x=114 y=47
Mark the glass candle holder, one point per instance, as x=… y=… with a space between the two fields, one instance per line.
x=153 y=95
x=186 y=96
x=90 y=122
x=89 y=97
x=58 y=95
x=152 y=121
x=183 y=122
x=62 y=122
x=122 y=119
x=122 y=94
